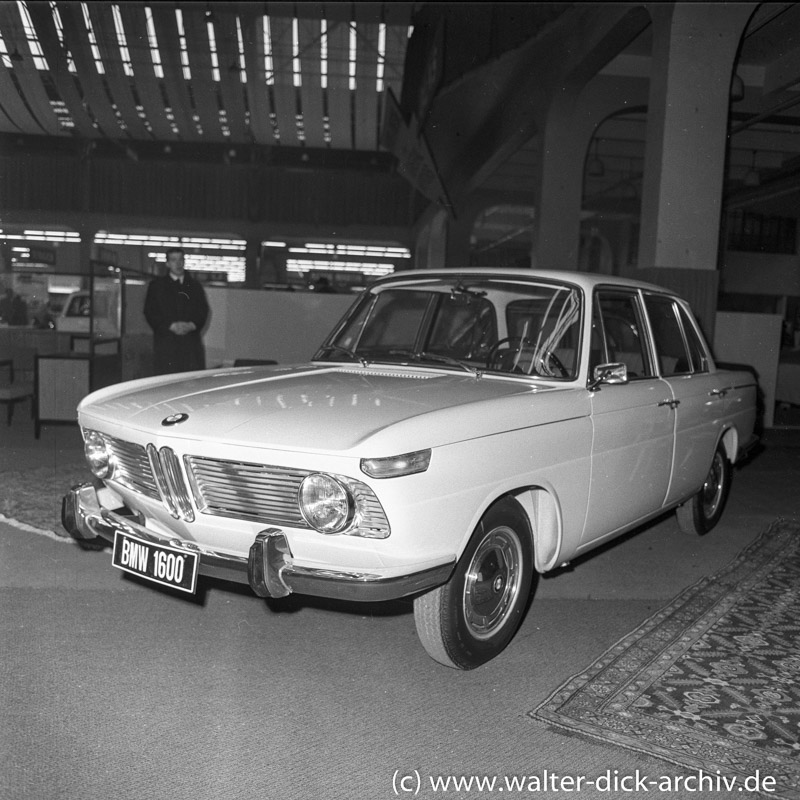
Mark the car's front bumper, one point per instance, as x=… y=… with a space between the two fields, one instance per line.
x=269 y=568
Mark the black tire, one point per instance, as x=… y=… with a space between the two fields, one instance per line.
x=470 y=619
x=700 y=513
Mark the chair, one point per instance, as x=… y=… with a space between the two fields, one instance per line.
x=12 y=393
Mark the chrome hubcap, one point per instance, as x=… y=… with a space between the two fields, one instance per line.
x=492 y=582
x=712 y=488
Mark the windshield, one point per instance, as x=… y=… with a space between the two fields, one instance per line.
x=486 y=325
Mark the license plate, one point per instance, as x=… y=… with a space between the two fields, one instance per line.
x=158 y=563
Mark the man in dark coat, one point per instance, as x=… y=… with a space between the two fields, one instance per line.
x=176 y=309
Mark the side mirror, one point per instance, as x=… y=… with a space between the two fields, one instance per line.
x=608 y=374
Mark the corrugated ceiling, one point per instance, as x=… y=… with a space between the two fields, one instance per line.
x=288 y=74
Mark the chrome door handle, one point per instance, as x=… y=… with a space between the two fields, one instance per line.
x=671 y=403
x=718 y=393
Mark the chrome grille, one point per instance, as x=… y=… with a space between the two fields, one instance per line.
x=268 y=494
x=246 y=491
x=132 y=467
x=257 y=492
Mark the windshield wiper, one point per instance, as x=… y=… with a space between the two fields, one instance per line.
x=337 y=348
x=449 y=360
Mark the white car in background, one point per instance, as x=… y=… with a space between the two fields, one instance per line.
x=76 y=314
x=459 y=432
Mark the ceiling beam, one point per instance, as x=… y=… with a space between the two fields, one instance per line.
x=480 y=121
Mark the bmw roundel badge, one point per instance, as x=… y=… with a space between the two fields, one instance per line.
x=174 y=419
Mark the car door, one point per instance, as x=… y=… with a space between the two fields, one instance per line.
x=633 y=423
x=698 y=394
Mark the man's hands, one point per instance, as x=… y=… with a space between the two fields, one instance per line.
x=182 y=328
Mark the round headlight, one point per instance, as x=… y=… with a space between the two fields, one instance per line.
x=96 y=451
x=325 y=503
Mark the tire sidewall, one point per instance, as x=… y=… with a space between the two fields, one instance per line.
x=706 y=523
x=698 y=523
x=464 y=648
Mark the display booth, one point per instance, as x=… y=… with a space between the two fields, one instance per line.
x=70 y=342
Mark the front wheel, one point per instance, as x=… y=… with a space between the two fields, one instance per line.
x=470 y=619
x=702 y=512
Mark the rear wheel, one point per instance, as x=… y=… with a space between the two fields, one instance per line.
x=470 y=619
x=701 y=513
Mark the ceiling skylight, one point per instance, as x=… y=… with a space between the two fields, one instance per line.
x=269 y=67
x=381 y=56
x=240 y=41
x=296 y=71
x=323 y=53
x=352 y=54
x=4 y=56
x=212 y=46
x=30 y=34
x=187 y=72
x=152 y=41
x=60 y=33
x=87 y=20
x=122 y=41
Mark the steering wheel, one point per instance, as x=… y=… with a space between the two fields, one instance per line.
x=549 y=358
x=497 y=357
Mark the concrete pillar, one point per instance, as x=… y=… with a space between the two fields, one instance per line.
x=694 y=47
x=252 y=253
x=444 y=239
x=567 y=129
x=431 y=241
x=556 y=231
x=87 y=249
x=458 y=232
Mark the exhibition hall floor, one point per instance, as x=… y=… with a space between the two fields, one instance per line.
x=115 y=689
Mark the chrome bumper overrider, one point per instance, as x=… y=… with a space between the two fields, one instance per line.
x=269 y=569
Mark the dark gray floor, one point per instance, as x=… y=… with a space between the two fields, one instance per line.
x=115 y=690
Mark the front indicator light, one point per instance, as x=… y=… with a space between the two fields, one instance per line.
x=395 y=466
x=97 y=455
x=325 y=503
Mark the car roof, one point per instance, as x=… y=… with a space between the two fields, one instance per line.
x=584 y=280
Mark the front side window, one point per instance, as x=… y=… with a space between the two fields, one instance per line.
x=618 y=333
x=547 y=329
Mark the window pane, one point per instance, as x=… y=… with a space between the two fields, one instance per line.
x=395 y=321
x=621 y=339
x=547 y=327
x=519 y=327
x=463 y=327
x=696 y=349
x=668 y=337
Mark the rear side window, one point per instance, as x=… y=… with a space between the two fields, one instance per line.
x=697 y=351
x=678 y=347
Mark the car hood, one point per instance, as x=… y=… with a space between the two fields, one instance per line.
x=330 y=408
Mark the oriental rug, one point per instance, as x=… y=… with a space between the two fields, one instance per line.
x=32 y=497
x=711 y=682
